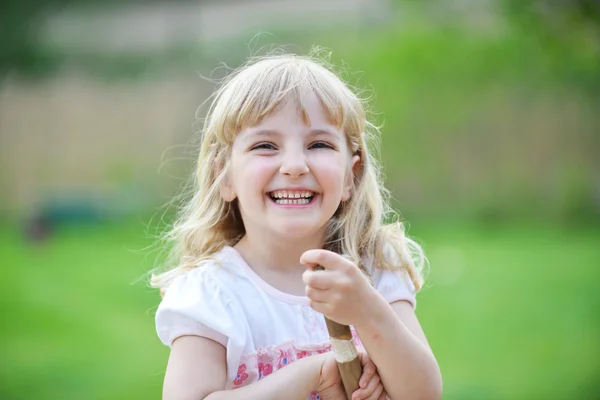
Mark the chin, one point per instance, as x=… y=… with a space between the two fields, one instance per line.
x=298 y=231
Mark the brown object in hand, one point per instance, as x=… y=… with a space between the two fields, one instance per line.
x=350 y=371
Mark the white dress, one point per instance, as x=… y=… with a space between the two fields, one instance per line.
x=262 y=328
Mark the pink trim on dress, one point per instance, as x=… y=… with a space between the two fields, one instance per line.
x=198 y=330
x=265 y=361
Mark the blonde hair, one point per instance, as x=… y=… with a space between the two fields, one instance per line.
x=357 y=230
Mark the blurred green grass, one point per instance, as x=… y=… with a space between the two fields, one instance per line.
x=77 y=326
x=511 y=312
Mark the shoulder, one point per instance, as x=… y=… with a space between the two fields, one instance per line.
x=202 y=302
x=220 y=272
x=215 y=282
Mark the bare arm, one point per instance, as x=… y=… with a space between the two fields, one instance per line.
x=397 y=345
x=391 y=334
x=197 y=370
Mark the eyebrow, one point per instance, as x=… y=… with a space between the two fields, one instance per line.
x=265 y=132
x=313 y=133
x=324 y=132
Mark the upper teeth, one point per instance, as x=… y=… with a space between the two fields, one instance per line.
x=291 y=194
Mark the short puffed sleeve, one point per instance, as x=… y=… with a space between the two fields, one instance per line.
x=394 y=285
x=197 y=303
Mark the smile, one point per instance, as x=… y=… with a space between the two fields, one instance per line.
x=285 y=197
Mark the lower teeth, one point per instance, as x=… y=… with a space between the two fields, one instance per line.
x=292 y=201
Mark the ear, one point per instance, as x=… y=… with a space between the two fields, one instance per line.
x=349 y=181
x=226 y=190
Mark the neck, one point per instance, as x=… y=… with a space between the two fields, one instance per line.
x=273 y=253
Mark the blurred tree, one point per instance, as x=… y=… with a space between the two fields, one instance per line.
x=18 y=48
x=20 y=51
x=587 y=9
x=556 y=17
x=568 y=31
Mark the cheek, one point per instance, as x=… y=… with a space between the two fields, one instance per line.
x=260 y=169
x=331 y=172
x=252 y=174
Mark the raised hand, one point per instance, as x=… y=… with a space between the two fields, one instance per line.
x=341 y=292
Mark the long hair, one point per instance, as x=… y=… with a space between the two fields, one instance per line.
x=206 y=223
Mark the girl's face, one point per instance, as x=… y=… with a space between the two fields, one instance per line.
x=290 y=177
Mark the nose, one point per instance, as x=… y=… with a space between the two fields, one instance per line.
x=294 y=164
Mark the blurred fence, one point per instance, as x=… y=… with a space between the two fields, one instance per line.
x=480 y=120
x=73 y=135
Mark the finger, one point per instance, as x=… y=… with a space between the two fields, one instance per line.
x=383 y=396
x=371 y=392
x=327 y=259
x=376 y=395
x=318 y=295
x=320 y=307
x=318 y=279
x=372 y=385
x=368 y=369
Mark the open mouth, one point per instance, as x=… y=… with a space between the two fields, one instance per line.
x=284 y=197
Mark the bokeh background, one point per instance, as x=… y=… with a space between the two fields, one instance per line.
x=491 y=143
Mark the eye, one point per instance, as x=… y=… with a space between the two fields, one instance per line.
x=320 y=145
x=263 y=146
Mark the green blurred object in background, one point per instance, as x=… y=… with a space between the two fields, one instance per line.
x=490 y=146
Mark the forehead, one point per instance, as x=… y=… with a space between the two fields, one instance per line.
x=309 y=118
x=258 y=92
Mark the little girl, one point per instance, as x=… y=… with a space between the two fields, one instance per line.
x=285 y=182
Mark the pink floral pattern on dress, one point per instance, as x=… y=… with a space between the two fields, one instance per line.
x=302 y=354
x=264 y=369
x=265 y=361
x=241 y=376
x=285 y=357
x=357 y=341
x=315 y=396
